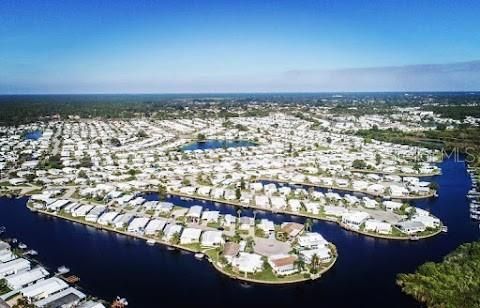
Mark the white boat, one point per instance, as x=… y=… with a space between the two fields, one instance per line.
x=63 y=270
x=445 y=229
x=199 y=255
x=22 y=246
x=151 y=242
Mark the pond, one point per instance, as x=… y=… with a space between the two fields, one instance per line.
x=217 y=144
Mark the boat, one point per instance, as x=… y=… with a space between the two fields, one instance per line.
x=22 y=246
x=31 y=252
x=14 y=240
x=151 y=242
x=199 y=255
x=119 y=302
x=445 y=229
x=2 y=229
x=63 y=270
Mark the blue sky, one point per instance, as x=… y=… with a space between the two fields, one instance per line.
x=238 y=46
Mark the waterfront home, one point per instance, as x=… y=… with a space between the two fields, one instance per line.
x=57 y=205
x=283 y=264
x=256 y=187
x=354 y=219
x=194 y=213
x=369 y=203
x=378 y=226
x=204 y=191
x=95 y=213
x=262 y=201
x=246 y=223
x=376 y=189
x=13 y=267
x=427 y=220
x=122 y=220
x=229 y=220
x=137 y=225
x=248 y=262
x=278 y=203
x=230 y=251
x=90 y=304
x=294 y=205
x=43 y=288
x=23 y=279
x=211 y=216
x=71 y=207
x=312 y=207
x=229 y=194
x=69 y=297
x=266 y=226
x=311 y=240
x=217 y=193
x=291 y=229
x=6 y=255
x=107 y=218
x=155 y=226
x=170 y=230
x=211 y=238
x=323 y=254
x=82 y=210
x=190 y=236
x=411 y=227
x=163 y=208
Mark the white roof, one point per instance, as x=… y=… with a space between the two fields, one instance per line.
x=44 y=287
x=21 y=279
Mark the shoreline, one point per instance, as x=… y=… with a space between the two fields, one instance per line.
x=302 y=214
x=186 y=249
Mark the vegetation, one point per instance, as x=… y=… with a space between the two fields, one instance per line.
x=454 y=283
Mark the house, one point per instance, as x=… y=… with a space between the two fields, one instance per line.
x=194 y=213
x=311 y=240
x=82 y=210
x=248 y=262
x=154 y=226
x=291 y=229
x=323 y=254
x=266 y=226
x=378 y=226
x=13 y=267
x=229 y=220
x=411 y=227
x=164 y=208
x=354 y=220
x=211 y=216
x=190 y=236
x=278 y=203
x=230 y=251
x=427 y=221
x=211 y=238
x=256 y=187
x=262 y=201
x=283 y=264
x=294 y=205
x=23 y=279
x=246 y=223
x=123 y=220
x=44 y=288
x=312 y=207
x=138 y=225
x=369 y=203
x=170 y=230
x=95 y=213
x=107 y=218
x=69 y=297
x=57 y=205
x=392 y=205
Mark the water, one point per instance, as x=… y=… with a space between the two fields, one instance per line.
x=216 y=144
x=364 y=275
x=33 y=135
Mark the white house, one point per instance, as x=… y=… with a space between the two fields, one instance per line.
x=378 y=226
x=248 y=262
x=311 y=240
x=354 y=219
x=211 y=238
x=190 y=236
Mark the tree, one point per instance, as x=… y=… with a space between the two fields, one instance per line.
x=315 y=264
x=300 y=264
x=378 y=159
x=201 y=137
x=239 y=212
x=359 y=164
x=308 y=224
x=238 y=193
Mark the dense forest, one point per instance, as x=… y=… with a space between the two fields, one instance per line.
x=453 y=283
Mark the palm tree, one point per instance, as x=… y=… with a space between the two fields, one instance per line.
x=300 y=264
x=315 y=263
x=239 y=212
x=308 y=224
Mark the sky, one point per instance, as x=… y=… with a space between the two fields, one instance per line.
x=117 y=46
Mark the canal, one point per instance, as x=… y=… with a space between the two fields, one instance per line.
x=151 y=276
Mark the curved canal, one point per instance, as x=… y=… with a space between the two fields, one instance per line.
x=150 y=276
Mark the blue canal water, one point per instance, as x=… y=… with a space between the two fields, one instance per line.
x=33 y=135
x=152 y=276
x=216 y=144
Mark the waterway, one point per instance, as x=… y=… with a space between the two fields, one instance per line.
x=216 y=144
x=152 y=276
